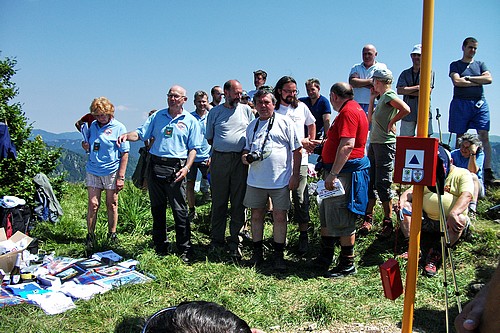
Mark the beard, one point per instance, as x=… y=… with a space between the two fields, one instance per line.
x=290 y=99
x=234 y=102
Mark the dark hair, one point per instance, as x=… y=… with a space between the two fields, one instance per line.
x=279 y=85
x=469 y=40
x=260 y=72
x=212 y=91
x=264 y=92
x=199 y=317
x=343 y=90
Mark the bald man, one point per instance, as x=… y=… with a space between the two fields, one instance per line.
x=360 y=77
x=177 y=135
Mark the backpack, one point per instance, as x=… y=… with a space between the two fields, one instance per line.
x=15 y=219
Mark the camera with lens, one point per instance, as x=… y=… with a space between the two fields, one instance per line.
x=318 y=149
x=254 y=156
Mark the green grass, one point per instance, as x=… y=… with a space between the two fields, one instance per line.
x=264 y=299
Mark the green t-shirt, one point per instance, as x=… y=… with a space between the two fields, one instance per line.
x=381 y=117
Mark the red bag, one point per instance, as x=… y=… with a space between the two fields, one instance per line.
x=391 y=279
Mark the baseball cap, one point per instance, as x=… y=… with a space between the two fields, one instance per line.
x=383 y=74
x=417 y=49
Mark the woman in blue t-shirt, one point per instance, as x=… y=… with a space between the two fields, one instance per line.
x=105 y=167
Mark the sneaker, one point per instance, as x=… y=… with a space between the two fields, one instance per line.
x=432 y=262
x=303 y=243
x=279 y=263
x=387 y=229
x=365 y=228
x=340 y=271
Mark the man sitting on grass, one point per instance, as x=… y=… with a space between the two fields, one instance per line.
x=457 y=194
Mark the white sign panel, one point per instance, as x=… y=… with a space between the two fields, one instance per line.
x=414 y=159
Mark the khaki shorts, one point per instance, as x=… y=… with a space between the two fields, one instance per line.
x=257 y=197
x=103 y=182
x=333 y=212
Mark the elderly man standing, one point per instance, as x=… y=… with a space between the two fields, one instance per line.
x=468 y=108
x=225 y=131
x=361 y=74
x=273 y=152
x=319 y=106
x=288 y=104
x=344 y=161
x=409 y=86
x=176 y=135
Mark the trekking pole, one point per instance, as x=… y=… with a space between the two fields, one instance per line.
x=438 y=116
x=446 y=252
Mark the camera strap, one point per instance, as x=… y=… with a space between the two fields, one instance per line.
x=269 y=126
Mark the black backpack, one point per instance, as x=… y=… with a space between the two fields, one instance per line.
x=16 y=219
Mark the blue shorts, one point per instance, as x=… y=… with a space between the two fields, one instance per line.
x=465 y=115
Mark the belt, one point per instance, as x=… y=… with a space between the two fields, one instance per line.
x=166 y=160
x=227 y=152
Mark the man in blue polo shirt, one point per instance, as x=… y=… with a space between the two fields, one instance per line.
x=176 y=135
x=319 y=107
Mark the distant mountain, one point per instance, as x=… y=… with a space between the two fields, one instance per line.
x=74 y=158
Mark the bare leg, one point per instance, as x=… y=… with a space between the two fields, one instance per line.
x=93 y=206
x=112 y=208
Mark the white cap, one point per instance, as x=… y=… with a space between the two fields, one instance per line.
x=417 y=49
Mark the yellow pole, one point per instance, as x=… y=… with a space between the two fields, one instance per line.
x=418 y=190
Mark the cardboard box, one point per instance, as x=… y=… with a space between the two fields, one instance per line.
x=8 y=260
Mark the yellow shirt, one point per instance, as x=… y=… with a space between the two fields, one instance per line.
x=459 y=180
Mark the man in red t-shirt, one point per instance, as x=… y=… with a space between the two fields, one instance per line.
x=343 y=155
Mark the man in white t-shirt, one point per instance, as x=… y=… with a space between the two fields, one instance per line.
x=360 y=77
x=287 y=104
x=273 y=153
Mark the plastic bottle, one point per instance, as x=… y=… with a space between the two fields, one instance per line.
x=15 y=274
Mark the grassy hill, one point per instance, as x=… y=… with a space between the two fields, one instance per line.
x=294 y=301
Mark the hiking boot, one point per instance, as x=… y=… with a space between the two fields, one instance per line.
x=257 y=260
x=235 y=255
x=341 y=270
x=387 y=229
x=432 y=262
x=279 y=263
x=112 y=237
x=321 y=263
x=90 y=242
x=163 y=249
x=186 y=257
x=303 y=243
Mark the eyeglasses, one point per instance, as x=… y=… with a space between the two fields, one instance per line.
x=176 y=97
x=293 y=92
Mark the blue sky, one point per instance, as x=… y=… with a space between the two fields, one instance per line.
x=70 y=52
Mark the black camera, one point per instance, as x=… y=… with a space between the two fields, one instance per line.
x=254 y=156
x=318 y=149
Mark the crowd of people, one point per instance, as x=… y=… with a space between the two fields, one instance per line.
x=254 y=147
